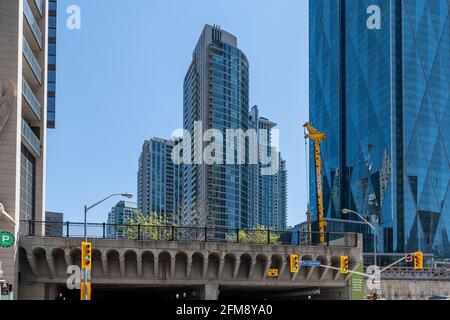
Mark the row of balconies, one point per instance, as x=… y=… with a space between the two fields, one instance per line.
x=32 y=79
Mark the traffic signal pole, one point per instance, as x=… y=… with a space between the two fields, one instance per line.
x=85 y=272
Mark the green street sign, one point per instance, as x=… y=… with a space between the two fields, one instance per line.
x=6 y=239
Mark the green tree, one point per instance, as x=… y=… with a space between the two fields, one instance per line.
x=150 y=227
x=258 y=236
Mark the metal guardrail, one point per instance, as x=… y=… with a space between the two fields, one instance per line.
x=175 y=233
x=31 y=138
x=31 y=59
x=30 y=97
x=434 y=274
x=32 y=23
x=38 y=4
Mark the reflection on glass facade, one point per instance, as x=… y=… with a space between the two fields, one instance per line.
x=216 y=93
x=51 y=83
x=381 y=96
x=159 y=180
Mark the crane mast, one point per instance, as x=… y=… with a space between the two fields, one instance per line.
x=318 y=137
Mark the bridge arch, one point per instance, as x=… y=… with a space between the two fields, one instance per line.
x=131 y=263
x=148 y=264
x=229 y=264
x=260 y=266
x=198 y=260
x=245 y=265
x=59 y=261
x=213 y=266
x=181 y=265
x=113 y=263
x=164 y=265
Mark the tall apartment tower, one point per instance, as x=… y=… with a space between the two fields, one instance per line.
x=379 y=89
x=267 y=192
x=160 y=180
x=23 y=120
x=119 y=215
x=216 y=96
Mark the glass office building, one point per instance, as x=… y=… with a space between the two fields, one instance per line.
x=216 y=94
x=159 y=180
x=379 y=77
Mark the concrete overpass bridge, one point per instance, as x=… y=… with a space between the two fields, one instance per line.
x=208 y=267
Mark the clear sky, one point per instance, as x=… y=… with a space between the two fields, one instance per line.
x=120 y=82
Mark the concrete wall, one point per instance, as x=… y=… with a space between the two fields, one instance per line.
x=126 y=263
x=11 y=23
x=414 y=290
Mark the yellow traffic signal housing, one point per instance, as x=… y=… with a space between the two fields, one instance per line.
x=344 y=265
x=295 y=265
x=86 y=255
x=89 y=290
x=418 y=261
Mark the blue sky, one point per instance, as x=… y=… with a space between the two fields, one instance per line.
x=120 y=82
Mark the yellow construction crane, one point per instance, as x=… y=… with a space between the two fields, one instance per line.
x=318 y=138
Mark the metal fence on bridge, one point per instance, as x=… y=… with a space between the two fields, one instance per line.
x=175 y=233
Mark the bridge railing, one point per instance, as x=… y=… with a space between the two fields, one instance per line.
x=175 y=233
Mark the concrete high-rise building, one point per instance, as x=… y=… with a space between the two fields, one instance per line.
x=119 y=216
x=216 y=96
x=160 y=180
x=379 y=77
x=23 y=119
x=54 y=224
x=267 y=192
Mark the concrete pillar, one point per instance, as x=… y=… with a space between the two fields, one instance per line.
x=310 y=273
x=33 y=265
x=156 y=267
x=51 y=265
x=205 y=268
x=221 y=265
x=172 y=268
x=189 y=267
x=236 y=268
x=139 y=266
x=267 y=267
x=209 y=292
x=122 y=266
x=105 y=265
x=252 y=269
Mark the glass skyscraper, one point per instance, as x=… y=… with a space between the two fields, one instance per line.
x=379 y=89
x=159 y=180
x=216 y=93
x=268 y=193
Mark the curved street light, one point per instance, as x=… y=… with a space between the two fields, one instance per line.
x=347 y=211
x=86 y=209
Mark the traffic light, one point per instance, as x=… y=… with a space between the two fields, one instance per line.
x=418 y=261
x=344 y=265
x=89 y=290
x=294 y=263
x=86 y=255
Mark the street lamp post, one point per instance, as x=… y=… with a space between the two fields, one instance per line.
x=347 y=211
x=86 y=209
